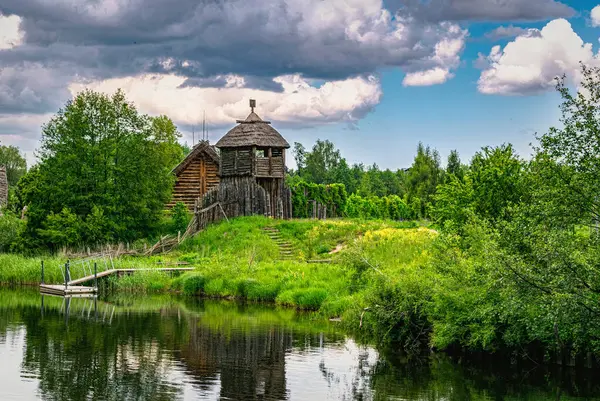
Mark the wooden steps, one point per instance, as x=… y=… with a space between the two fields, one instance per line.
x=286 y=250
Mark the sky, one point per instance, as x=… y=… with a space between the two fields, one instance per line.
x=376 y=77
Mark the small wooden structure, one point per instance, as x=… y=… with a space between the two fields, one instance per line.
x=3 y=187
x=252 y=173
x=195 y=175
x=73 y=287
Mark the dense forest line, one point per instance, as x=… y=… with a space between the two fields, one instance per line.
x=516 y=263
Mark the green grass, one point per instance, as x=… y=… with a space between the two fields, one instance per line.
x=237 y=259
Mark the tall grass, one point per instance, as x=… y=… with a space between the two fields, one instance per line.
x=20 y=270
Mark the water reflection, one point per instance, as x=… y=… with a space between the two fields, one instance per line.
x=168 y=349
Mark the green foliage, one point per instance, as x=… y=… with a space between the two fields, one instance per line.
x=104 y=173
x=333 y=196
x=304 y=298
x=325 y=165
x=194 y=284
x=181 y=217
x=492 y=184
x=11 y=228
x=15 y=163
x=389 y=207
x=422 y=180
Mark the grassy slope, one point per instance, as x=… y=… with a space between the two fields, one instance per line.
x=238 y=259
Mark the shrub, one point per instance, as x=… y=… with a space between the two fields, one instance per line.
x=194 y=284
x=11 y=228
x=180 y=216
x=303 y=298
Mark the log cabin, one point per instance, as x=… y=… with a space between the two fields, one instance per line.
x=195 y=175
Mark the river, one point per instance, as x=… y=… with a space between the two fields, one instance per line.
x=165 y=348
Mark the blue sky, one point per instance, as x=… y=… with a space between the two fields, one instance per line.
x=375 y=77
x=453 y=115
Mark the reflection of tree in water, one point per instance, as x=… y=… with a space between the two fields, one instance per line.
x=125 y=360
x=441 y=378
x=133 y=357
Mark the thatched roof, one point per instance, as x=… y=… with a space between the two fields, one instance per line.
x=253 y=131
x=201 y=147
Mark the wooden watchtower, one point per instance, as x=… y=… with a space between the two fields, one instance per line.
x=252 y=171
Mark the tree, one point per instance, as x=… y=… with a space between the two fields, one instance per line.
x=15 y=163
x=423 y=178
x=101 y=162
x=454 y=166
x=492 y=184
x=571 y=154
x=299 y=153
x=322 y=162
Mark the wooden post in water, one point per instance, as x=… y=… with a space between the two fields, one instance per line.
x=42 y=272
x=96 y=276
x=66 y=274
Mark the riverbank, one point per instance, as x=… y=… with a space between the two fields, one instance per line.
x=394 y=282
x=241 y=259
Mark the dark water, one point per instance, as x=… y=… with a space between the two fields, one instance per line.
x=167 y=349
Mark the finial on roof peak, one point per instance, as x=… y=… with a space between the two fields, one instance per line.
x=252 y=105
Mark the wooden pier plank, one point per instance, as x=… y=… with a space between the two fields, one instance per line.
x=133 y=270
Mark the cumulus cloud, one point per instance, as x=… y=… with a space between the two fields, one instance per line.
x=510 y=31
x=595 y=16
x=529 y=64
x=446 y=56
x=10 y=35
x=433 y=76
x=299 y=103
x=221 y=50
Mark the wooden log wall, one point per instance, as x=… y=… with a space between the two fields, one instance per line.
x=3 y=187
x=236 y=162
x=200 y=176
x=244 y=196
x=239 y=196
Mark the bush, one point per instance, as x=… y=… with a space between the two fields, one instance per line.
x=373 y=207
x=194 y=284
x=180 y=216
x=303 y=298
x=11 y=228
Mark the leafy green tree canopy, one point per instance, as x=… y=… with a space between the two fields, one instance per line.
x=103 y=164
x=15 y=163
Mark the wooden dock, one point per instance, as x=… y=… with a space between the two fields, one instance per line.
x=120 y=272
x=72 y=288
x=69 y=290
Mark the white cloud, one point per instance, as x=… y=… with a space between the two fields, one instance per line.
x=433 y=76
x=10 y=35
x=530 y=64
x=446 y=56
x=595 y=16
x=299 y=103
